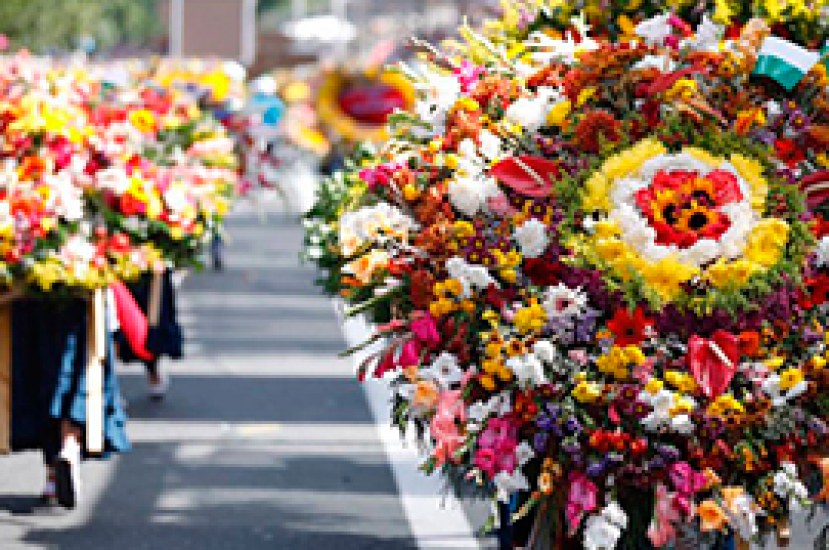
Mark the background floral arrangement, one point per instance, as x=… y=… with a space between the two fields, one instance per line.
x=104 y=179
x=597 y=258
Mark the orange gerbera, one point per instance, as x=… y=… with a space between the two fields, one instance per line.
x=711 y=516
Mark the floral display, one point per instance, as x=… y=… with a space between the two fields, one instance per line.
x=596 y=250
x=102 y=179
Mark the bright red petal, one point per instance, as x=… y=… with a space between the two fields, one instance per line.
x=522 y=175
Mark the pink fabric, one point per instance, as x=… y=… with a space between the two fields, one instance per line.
x=132 y=320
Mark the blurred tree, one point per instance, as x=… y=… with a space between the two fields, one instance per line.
x=48 y=25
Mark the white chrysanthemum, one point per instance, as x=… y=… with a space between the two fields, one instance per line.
x=701 y=252
x=465 y=195
x=531 y=112
x=527 y=369
x=532 y=238
x=545 y=351
x=600 y=534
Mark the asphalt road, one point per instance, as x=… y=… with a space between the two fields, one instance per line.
x=265 y=441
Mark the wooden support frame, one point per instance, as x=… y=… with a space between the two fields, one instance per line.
x=5 y=377
x=96 y=339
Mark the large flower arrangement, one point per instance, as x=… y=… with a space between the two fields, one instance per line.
x=597 y=257
x=103 y=181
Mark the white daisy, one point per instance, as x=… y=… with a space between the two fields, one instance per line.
x=561 y=301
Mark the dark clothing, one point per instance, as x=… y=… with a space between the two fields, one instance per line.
x=49 y=376
x=164 y=339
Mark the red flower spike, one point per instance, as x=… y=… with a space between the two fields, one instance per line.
x=527 y=175
x=713 y=362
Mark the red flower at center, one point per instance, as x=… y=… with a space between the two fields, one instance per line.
x=629 y=329
x=788 y=151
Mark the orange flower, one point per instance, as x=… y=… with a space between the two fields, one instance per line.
x=31 y=168
x=711 y=478
x=749 y=343
x=425 y=395
x=711 y=516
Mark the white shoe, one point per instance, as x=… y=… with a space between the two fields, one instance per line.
x=158 y=390
x=68 y=474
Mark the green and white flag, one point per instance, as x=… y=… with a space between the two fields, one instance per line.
x=784 y=61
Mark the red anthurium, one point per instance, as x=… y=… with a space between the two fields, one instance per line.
x=629 y=329
x=527 y=175
x=713 y=361
x=816 y=188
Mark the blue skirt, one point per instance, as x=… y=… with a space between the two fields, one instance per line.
x=49 y=376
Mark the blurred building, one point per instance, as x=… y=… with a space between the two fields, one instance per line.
x=211 y=28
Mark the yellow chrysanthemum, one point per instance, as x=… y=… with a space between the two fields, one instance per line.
x=766 y=242
x=752 y=172
x=667 y=275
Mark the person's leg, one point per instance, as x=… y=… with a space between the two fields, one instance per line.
x=50 y=447
x=216 y=252
x=156 y=381
x=67 y=465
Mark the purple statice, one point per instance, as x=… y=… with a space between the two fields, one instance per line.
x=571 y=447
x=562 y=328
x=596 y=468
x=668 y=452
x=540 y=440
x=586 y=325
x=572 y=426
x=656 y=463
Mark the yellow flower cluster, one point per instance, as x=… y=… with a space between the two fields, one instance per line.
x=724 y=405
x=531 y=318
x=618 y=360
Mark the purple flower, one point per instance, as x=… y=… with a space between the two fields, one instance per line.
x=573 y=426
x=669 y=452
x=540 y=440
x=544 y=422
x=595 y=468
